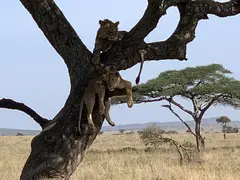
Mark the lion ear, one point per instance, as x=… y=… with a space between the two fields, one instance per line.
x=101 y=22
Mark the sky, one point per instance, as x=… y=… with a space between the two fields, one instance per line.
x=32 y=72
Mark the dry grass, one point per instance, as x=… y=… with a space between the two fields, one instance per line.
x=105 y=162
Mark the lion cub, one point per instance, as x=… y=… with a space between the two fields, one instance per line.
x=107 y=34
x=98 y=86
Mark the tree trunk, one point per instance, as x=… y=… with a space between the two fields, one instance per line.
x=199 y=139
x=224 y=131
x=57 y=150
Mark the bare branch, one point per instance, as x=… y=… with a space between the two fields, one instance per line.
x=10 y=104
x=188 y=127
x=170 y=100
x=59 y=32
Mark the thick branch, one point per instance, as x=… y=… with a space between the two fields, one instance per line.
x=190 y=13
x=209 y=104
x=10 y=104
x=59 y=32
x=155 y=9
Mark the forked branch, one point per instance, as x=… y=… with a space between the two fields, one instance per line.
x=178 y=116
x=10 y=104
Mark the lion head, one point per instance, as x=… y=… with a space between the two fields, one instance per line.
x=112 y=80
x=108 y=30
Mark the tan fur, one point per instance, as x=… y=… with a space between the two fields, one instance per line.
x=107 y=34
x=98 y=86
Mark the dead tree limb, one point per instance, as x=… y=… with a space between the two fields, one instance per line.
x=10 y=104
x=188 y=127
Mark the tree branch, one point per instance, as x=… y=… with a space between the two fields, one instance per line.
x=188 y=127
x=123 y=54
x=209 y=104
x=59 y=32
x=155 y=10
x=10 y=104
x=170 y=100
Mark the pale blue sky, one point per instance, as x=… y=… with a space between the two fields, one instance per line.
x=33 y=73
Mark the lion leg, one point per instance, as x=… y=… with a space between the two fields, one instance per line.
x=96 y=56
x=89 y=99
x=107 y=109
x=101 y=95
x=129 y=94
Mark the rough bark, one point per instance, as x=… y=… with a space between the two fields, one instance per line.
x=200 y=141
x=59 y=148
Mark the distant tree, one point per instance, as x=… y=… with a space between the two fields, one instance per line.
x=20 y=134
x=223 y=120
x=203 y=86
x=121 y=131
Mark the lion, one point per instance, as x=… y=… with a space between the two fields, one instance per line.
x=107 y=34
x=110 y=80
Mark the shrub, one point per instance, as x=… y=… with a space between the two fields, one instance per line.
x=100 y=132
x=130 y=132
x=121 y=131
x=171 y=132
x=151 y=136
x=230 y=129
x=20 y=134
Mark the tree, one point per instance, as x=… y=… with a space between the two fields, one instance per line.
x=223 y=120
x=203 y=86
x=121 y=131
x=60 y=147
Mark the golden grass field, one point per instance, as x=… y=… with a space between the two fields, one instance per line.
x=105 y=161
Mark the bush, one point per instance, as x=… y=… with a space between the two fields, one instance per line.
x=188 y=144
x=151 y=136
x=172 y=132
x=100 y=132
x=20 y=134
x=131 y=132
x=230 y=129
x=121 y=131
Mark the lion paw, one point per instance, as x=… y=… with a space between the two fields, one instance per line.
x=130 y=103
x=91 y=129
x=101 y=110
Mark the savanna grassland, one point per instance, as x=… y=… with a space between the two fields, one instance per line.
x=108 y=160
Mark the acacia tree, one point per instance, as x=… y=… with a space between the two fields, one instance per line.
x=59 y=148
x=223 y=120
x=203 y=86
